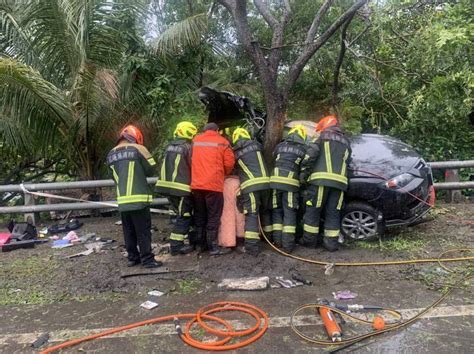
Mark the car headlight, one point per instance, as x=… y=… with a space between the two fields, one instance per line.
x=399 y=181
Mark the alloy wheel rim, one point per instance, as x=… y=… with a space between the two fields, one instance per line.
x=359 y=225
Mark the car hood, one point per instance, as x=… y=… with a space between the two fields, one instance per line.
x=381 y=155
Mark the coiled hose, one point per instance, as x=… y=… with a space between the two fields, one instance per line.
x=203 y=315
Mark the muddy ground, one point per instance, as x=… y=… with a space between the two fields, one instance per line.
x=42 y=291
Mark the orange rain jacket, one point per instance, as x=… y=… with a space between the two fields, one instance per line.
x=212 y=159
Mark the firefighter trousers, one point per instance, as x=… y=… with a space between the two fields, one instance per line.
x=183 y=207
x=254 y=204
x=136 y=226
x=321 y=199
x=284 y=214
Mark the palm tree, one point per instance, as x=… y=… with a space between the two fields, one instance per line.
x=60 y=86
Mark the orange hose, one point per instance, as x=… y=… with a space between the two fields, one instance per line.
x=203 y=314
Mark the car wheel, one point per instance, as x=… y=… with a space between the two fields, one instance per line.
x=361 y=221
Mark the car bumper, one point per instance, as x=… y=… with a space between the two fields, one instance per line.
x=417 y=211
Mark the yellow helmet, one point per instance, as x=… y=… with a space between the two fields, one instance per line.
x=185 y=130
x=240 y=133
x=298 y=129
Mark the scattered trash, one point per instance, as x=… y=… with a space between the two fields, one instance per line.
x=84 y=253
x=41 y=340
x=161 y=270
x=87 y=237
x=118 y=222
x=54 y=237
x=63 y=226
x=329 y=269
x=13 y=245
x=155 y=293
x=344 y=295
x=61 y=244
x=95 y=246
x=72 y=237
x=149 y=305
x=298 y=277
x=4 y=238
x=248 y=283
x=285 y=283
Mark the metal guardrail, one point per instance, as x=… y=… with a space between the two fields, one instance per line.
x=30 y=208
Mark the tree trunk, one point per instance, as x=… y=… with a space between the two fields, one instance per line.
x=276 y=115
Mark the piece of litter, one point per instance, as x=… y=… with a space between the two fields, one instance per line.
x=149 y=305
x=40 y=341
x=84 y=253
x=344 y=295
x=249 y=283
x=118 y=222
x=329 y=269
x=287 y=283
x=54 y=237
x=72 y=237
x=155 y=293
x=61 y=244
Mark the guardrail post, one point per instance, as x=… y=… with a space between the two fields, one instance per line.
x=29 y=200
x=452 y=196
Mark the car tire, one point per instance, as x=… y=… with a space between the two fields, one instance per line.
x=361 y=221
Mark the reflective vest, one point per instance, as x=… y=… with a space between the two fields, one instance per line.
x=250 y=166
x=175 y=172
x=330 y=168
x=131 y=164
x=288 y=156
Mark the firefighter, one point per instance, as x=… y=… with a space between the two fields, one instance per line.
x=327 y=183
x=285 y=184
x=254 y=181
x=131 y=163
x=212 y=160
x=175 y=183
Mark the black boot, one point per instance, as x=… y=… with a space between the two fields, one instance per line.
x=277 y=239
x=214 y=249
x=331 y=243
x=178 y=247
x=252 y=247
x=288 y=242
x=308 y=240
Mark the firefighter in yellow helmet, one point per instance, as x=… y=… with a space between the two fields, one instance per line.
x=286 y=184
x=174 y=182
x=254 y=181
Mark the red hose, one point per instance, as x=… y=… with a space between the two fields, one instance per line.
x=202 y=315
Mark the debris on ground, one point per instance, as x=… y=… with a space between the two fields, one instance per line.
x=149 y=305
x=344 y=295
x=281 y=282
x=84 y=253
x=299 y=277
x=248 y=283
x=64 y=226
x=155 y=293
x=118 y=223
x=40 y=341
x=61 y=244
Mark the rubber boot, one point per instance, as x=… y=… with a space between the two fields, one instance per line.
x=277 y=238
x=252 y=247
x=288 y=242
x=331 y=243
x=214 y=249
x=308 y=240
x=178 y=247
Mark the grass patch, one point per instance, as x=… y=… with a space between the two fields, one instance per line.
x=402 y=242
x=187 y=286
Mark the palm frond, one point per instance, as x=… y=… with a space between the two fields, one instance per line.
x=33 y=103
x=186 y=33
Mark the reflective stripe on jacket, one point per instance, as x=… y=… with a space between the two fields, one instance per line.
x=330 y=168
x=212 y=159
x=250 y=166
x=175 y=171
x=288 y=156
x=131 y=164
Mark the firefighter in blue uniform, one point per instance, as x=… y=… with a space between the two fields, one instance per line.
x=286 y=184
x=325 y=171
x=254 y=181
x=175 y=183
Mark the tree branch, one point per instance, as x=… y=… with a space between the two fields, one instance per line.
x=317 y=20
x=262 y=7
x=308 y=52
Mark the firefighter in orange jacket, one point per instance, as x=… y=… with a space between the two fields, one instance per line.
x=212 y=160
